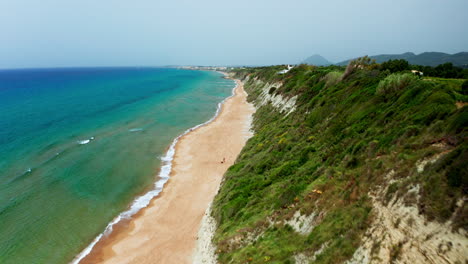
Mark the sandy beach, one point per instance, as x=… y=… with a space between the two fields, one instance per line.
x=166 y=231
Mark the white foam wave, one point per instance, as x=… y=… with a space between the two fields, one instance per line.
x=86 y=141
x=144 y=200
x=135 y=129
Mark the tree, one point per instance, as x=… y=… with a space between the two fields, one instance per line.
x=360 y=63
x=395 y=65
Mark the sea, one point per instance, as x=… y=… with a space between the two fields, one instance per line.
x=83 y=148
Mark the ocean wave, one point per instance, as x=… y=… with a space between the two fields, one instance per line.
x=83 y=142
x=21 y=175
x=145 y=199
x=86 y=141
x=136 y=129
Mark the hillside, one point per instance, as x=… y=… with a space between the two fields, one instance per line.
x=347 y=166
x=317 y=60
x=426 y=59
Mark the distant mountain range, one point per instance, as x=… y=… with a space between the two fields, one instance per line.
x=427 y=58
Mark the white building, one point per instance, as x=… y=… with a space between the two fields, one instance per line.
x=286 y=70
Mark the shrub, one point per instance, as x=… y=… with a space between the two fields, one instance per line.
x=395 y=65
x=459 y=121
x=391 y=190
x=394 y=83
x=288 y=194
x=361 y=63
x=465 y=87
x=458 y=168
x=332 y=78
x=272 y=90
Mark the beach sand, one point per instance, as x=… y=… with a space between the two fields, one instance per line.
x=166 y=231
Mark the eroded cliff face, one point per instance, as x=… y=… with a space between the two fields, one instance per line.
x=398 y=232
x=280 y=103
x=205 y=251
x=269 y=95
x=336 y=174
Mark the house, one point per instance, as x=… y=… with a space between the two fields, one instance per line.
x=286 y=70
x=416 y=72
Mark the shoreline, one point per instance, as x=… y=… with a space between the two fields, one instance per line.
x=123 y=228
x=142 y=201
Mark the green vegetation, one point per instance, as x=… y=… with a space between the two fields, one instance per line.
x=332 y=78
x=443 y=70
x=347 y=133
x=394 y=84
x=427 y=58
x=446 y=70
x=464 y=87
x=395 y=65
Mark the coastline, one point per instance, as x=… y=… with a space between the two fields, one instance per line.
x=166 y=230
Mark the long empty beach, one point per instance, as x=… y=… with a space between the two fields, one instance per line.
x=166 y=231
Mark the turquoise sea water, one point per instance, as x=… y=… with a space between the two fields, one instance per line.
x=78 y=145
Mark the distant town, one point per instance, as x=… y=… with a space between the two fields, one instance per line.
x=205 y=68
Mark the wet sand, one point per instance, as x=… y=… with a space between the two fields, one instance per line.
x=166 y=231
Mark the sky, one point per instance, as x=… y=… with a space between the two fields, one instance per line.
x=72 y=33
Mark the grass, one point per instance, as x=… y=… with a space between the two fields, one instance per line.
x=342 y=140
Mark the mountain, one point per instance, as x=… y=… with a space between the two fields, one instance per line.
x=436 y=58
x=347 y=167
x=317 y=60
x=427 y=58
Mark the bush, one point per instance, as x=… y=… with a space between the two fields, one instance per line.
x=464 y=87
x=437 y=106
x=272 y=90
x=332 y=78
x=395 y=65
x=395 y=83
x=359 y=63
x=459 y=121
x=457 y=169
x=446 y=70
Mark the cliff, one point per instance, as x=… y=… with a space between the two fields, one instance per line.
x=352 y=166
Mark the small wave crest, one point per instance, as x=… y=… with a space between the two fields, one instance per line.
x=136 y=129
x=83 y=142
x=86 y=141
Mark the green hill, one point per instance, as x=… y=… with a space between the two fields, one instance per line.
x=426 y=59
x=362 y=166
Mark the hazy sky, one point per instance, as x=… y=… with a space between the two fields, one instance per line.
x=54 y=33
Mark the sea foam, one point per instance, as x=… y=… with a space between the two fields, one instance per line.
x=86 y=141
x=144 y=200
